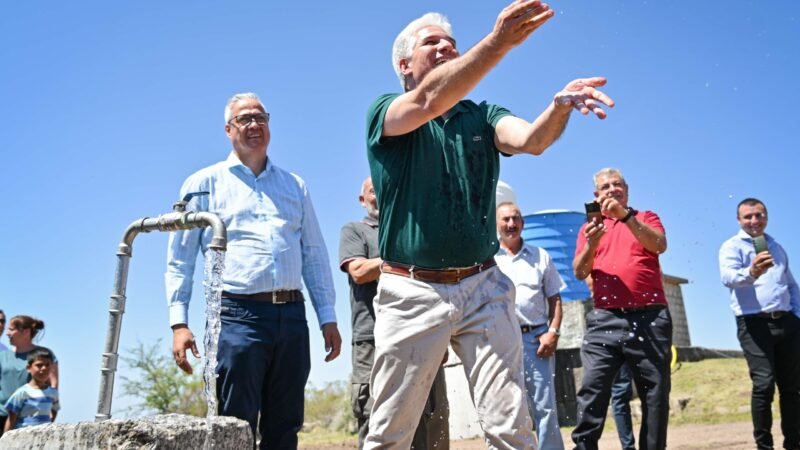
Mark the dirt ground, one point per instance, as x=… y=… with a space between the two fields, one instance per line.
x=728 y=436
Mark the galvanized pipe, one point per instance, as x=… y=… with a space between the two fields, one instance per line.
x=178 y=220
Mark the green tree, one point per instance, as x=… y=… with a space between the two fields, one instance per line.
x=329 y=407
x=160 y=385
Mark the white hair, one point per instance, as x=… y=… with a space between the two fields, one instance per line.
x=608 y=171
x=240 y=97
x=404 y=42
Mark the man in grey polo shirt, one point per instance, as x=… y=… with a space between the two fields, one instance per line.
x=434 y=159
x=359 y=258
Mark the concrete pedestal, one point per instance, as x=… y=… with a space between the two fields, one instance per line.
x=164 y=432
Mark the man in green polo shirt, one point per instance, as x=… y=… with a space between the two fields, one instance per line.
x=434 y=159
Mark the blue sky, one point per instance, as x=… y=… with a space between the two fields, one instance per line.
x=109 y=106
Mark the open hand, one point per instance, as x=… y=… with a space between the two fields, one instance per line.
x=582 y=95
x=519 y=20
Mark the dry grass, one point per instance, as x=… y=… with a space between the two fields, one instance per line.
x=714 y=391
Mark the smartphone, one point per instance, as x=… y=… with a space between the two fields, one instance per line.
x=760 y=244
x=593 y=212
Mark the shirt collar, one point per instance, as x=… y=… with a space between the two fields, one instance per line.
x=370 y=221
x=233 y=161
x=744 y=236
x=524 y=249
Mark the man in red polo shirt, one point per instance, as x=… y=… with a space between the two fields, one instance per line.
x=631 y=322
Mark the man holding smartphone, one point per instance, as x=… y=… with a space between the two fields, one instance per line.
x=766 y=302
x=630 y=322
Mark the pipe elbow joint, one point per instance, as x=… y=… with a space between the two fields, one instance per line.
x=219 y=240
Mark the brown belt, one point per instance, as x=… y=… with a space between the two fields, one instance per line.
x=447 y=276
x=636 y=309
x=274 y=297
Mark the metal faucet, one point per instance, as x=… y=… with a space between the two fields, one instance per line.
x=178 y=219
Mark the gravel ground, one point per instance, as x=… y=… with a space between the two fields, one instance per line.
x=728 y=436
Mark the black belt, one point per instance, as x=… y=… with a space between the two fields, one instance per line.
x=529 y=328
x=274 y=297
x=773 y=315
x=635 y=309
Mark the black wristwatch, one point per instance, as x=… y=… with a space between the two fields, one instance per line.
x=631 y=212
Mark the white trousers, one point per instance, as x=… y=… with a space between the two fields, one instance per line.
x=414 y=323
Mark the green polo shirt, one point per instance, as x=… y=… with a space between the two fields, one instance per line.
x=436 y=186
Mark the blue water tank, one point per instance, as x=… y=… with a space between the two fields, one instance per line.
x=556 y=231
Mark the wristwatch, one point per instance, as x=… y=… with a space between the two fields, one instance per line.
x=631 y=212
x=554 y=330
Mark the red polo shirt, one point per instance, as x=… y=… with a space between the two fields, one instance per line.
x=625 y=274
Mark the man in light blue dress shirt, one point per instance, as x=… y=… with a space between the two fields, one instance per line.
x=274 y=241
x=766 y=301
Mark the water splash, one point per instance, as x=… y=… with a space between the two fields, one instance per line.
x=215 y=264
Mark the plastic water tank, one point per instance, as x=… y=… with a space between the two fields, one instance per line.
x=556 y=231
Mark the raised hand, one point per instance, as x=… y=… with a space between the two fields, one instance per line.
x=761 y=263
x=593 y=232
x=582 y=95
x=519 y=20
x=611 y=207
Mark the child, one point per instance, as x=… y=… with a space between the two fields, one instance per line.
x=35 y=403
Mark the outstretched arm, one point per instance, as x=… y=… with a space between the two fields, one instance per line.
x=514 y=135
x=446 y=84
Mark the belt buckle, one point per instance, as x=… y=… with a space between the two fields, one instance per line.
x=411 y=272
x=275 y=298
x=774 y=315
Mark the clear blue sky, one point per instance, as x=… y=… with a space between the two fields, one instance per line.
x=107 y=107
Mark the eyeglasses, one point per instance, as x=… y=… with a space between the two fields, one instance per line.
x=246 y=119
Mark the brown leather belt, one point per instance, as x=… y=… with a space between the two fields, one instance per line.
x=274 y=297
x=450 y=275
x=774 y=315
x=636 y=309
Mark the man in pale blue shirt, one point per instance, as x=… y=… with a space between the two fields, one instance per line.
x=766 y=301
x=538 y=307
x=274 y=241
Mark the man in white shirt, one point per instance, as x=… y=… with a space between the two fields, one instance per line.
x=538 y=306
